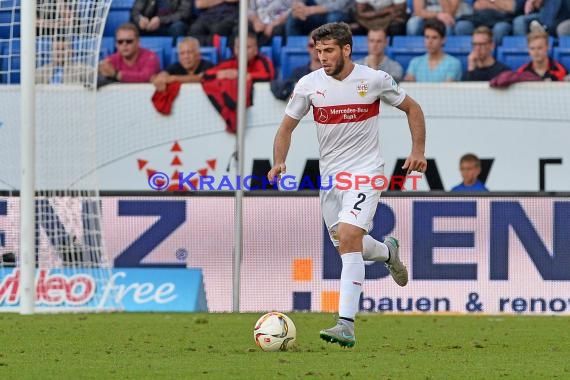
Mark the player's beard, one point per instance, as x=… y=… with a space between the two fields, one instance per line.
x=338 y=67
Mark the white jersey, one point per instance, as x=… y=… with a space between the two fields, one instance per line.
x=346 y=115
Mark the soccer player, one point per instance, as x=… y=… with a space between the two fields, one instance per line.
x=345 y=98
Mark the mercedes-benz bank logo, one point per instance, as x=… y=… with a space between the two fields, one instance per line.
x=322 y=115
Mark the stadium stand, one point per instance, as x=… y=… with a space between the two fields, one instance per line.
x=6 y=20
x=267 y=51
x=115 y=18
x=404 y=48
x=122 y=4
x=276 y=44
x=513 y=51
x=299 y=42
x=561 y=53
x=162 y=46
x=292 y=57
x=459 y=47
x=10 y=62
x=107 y=46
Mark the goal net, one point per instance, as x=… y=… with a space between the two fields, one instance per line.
x=71 y=265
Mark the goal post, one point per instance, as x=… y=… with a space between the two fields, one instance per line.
x=54 y=249
x=28 y=158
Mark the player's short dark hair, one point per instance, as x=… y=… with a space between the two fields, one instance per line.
x=470 y=157
x=338 y=31
x=435 y=24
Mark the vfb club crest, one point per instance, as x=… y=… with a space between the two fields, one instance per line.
x=362 y=88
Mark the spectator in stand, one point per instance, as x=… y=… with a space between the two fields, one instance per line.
x=376 y=59
x=470 y=168
x=131 y=63
x=54 y=17
x=495 y=14
x=446 y=11
x=215 y=17
x=267 y=18
x=283 y=88
x=540 y=64
x=481 y=65
x=563 y=28
x=389 y=15
x=220 y=82
x=259 y=67
x=62 y=69
x=435 y=65
x=545 y=14
x=189 y=68
x=162 y=17
x=309 y=14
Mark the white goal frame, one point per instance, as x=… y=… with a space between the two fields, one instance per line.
x=27 y=156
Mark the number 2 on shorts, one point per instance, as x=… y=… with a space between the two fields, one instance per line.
x=362 y=198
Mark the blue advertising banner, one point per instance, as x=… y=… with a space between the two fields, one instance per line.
x=126 y=289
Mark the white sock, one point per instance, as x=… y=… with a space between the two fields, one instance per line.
x=373 y=250
x=351 y=279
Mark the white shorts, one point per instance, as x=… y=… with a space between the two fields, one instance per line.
x=356 y=207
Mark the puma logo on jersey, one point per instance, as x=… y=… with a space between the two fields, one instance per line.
x=321 y=93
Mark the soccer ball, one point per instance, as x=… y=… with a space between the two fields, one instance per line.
x=274 y=332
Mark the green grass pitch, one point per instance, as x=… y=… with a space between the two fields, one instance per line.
x=221 y=346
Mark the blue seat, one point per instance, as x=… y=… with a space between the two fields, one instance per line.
x=404 y=57
x=415 y=43
x=296 y=42
x=10 y=62
x=458 y=43
x=459 y=47
x=122 y=4
x=292 y=58
x=404 y=48
x=268 y=52
x=562 y=55
x=224 y=50
x=162 y=46
x=359 y=43
x=358 y=54
x=512 y=58
x=9 y=4
x=276 y=45
x=115 y=18
x=564 y=42
x=107 y=46
x=209 y=53
x=515 y=43
x=9 y=24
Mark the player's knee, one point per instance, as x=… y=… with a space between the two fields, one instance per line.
x=350 y=238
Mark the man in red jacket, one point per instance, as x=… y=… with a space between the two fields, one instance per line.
x=220 y=82
x=259 y=67
x=541 y=64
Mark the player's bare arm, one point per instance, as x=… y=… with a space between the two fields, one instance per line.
x=281 y=147
x=416 y=161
